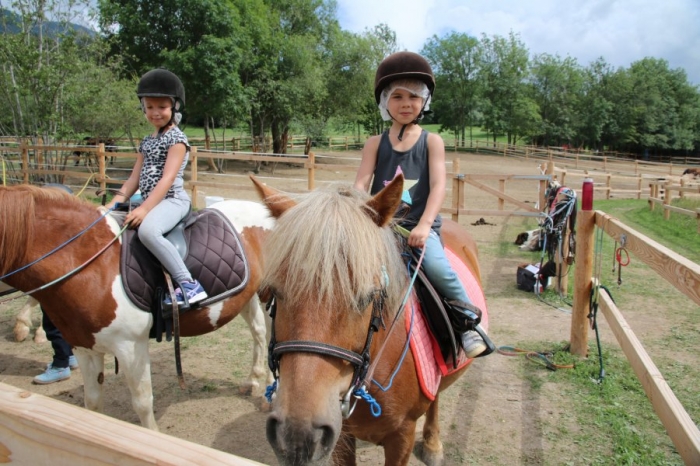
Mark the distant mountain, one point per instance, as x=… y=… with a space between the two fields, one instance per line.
x=10 y=23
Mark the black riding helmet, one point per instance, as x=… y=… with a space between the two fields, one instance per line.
x=162 y=83
x=403 y=65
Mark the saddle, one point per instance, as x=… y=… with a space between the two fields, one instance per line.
x=212 y=251
x=446 y=319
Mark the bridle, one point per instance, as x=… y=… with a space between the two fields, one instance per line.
x=361 y=361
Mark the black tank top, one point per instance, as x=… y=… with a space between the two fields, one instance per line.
x=413 y=163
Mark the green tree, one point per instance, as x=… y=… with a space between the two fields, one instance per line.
x=503 y=69
x=455 y=60
x=557 y=87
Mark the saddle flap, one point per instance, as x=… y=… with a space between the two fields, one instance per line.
x=436 y=315
x=215 y=257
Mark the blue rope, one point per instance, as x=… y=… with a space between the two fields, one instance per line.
x=270 y=390
x=373 y=405
x=401 y=359
x=57 y=247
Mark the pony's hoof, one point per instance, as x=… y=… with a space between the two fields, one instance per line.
x=40 y=337
x=250 y=388
x=429 y=457
x=21 y=332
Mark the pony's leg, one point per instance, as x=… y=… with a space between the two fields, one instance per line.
x=398 y=446
x=136 y=363
x=432 y=451
x=23 y=322
x=92 y=365
x=259 y=326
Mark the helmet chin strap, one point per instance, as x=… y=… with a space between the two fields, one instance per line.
x=414 y=122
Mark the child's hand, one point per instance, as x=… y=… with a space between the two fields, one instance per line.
x=136 y=216
x=418 y=236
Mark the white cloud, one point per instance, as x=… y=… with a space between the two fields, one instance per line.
x=621 y=31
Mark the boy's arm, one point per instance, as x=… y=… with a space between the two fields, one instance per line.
x=438 y=183
x=436 y=162
x=367 y=164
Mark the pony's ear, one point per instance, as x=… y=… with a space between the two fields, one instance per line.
x=275 y=201
x=382 y=207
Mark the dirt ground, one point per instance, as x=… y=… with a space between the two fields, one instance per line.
x=491 y=416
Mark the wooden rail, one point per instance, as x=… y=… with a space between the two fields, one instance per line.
x=677 y=270
x=36 y=429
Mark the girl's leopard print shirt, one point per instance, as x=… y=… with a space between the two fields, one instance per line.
x=155 y=150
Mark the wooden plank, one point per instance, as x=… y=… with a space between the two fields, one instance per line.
x=680 y=427
x=682 y=273
x=36 y=429
x=501 y=195
x=679 y=210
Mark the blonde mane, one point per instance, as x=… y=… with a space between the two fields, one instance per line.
x=327 y=249
x=17 y=213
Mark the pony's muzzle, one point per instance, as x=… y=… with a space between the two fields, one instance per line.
x=300 y=442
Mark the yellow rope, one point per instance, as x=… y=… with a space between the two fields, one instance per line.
x=86 y=184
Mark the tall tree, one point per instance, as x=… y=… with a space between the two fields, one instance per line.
x=557 y=87
x=455 y=60
x=504 y=67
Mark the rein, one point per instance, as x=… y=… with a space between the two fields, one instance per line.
x=72 y=272
x=60 y=246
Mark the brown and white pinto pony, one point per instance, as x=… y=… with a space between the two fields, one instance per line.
x=328 y=255
x=91 y=309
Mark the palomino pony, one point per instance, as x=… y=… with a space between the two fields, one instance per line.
x=91 y=309
x=334 y=270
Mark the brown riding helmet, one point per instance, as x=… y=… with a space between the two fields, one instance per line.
x=402 y=65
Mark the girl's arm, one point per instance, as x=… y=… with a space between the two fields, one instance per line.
x=436 y=162
x=173 y=162
x=131 y=185
x=367 y=164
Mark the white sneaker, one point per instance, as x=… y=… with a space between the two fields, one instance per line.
x=472 y=344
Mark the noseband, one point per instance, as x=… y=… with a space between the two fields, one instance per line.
x=361 y=361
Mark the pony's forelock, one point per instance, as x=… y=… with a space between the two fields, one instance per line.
x=327 y=249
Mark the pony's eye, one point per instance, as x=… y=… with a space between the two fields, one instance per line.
x=365 y=301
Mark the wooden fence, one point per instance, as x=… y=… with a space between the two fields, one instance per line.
x=36 y=429
x=25 y=163
x=677 y=270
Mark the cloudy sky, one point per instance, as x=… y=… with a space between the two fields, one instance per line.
x=621 y=31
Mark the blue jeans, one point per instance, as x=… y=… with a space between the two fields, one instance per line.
x=159 y=221
x=439 y=271
x=62 y=351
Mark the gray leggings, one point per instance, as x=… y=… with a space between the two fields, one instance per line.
x=158 y=222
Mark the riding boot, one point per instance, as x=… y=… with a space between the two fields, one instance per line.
x=465 y=319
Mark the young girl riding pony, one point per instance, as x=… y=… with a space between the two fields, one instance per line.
x=158 y=173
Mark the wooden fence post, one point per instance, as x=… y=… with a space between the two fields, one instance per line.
x=502 y=189
x=639 y=185
x=667 y=199
x=102 y=166
x=312 y=170
x=585 y=242
x=193 y=174
x=457 y=189
x=608 y=185
x=25 y=163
